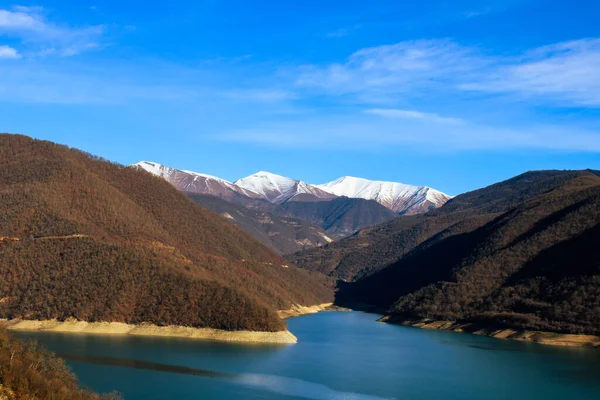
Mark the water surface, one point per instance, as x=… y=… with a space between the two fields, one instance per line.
x=339 y=356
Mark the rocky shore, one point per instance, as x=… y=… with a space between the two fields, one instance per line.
x=119 y=328
x=147 y=329
x=548 y=338
x=298 y=310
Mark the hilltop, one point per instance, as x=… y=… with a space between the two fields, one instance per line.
x=83 y=238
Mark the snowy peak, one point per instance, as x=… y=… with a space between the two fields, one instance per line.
x=194 y=182
x=164 y=172
x=277 y=189
x=398 y=197
x=268 y=185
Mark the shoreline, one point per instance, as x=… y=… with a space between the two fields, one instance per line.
x=298 y=310
x=146 y=329
x=540 y=337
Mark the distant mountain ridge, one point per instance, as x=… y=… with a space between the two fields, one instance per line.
x=398 y=197
x=276 y=189
x=281 y=210
x=194 y=182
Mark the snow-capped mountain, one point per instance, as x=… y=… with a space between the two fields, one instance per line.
x=194 y=182
x=277 y=189
x=398 y=197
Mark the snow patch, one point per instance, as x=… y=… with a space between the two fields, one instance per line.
x=396 y=196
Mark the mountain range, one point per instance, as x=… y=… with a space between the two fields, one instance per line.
x=277 y=189
x=289 y=215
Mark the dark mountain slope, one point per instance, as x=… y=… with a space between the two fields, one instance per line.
x=533 y=267
x=341 y=216
x=283 y=234
x=85 y=238
x=375 y=248
x=506 y=194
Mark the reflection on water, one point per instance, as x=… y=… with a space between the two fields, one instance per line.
x=300 y=388
x=338 y=356
x=272 y=383
x=140 y=364
x=474 y=346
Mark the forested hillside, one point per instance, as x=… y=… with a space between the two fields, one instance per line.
x=528 y=260
x=85 y=238
x=29 y=372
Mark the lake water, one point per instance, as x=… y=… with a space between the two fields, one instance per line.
x=340 y=355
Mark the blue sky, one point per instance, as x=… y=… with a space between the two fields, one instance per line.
x=454 y=95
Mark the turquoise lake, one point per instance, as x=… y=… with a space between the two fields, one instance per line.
x=340 y=355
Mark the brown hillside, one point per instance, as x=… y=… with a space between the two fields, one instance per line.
x=534 y=266
x=29 y=372
x=93 y=240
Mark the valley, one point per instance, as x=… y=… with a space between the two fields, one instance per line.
x=500 y=256
x=299 y=200
x=146 y=251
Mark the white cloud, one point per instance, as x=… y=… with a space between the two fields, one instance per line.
x=32 y=81
x=477 y=13
x=259 y=95
x=562 y=74
x=20 y=19
x=363 y=134
x=415 y=115
x=394 y=68
x=567 y=73
x=43 y=37
x=8 y=52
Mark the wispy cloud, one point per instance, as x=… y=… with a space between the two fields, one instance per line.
x=563 y=74
x=477 y=13
x=226 y=60
x=7 y=52
x=385 y=97
x=34 y=81
x=41 y=37
x=414 y=115
x=396 y=68
x=362 y=134
x=567 y=73
x=259 y=95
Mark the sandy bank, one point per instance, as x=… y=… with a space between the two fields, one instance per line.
x=119 y=328
x=550 y=338
x=298 y=310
